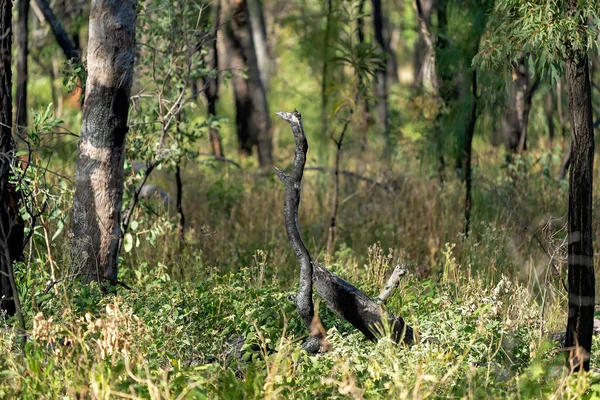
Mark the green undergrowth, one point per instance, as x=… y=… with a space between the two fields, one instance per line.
x=237 y=335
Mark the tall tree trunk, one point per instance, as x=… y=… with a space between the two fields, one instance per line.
x=549 y=112
x=11 y=223
x=252 y=109
x=468 y=152
x=381 y=85
x=516 y=118
x=99 y=180
x=261 y=45
x=580 y=249
x=363 y=100
x=211 y=83
x=22 y=68
x=424 y=61
x=325 y=68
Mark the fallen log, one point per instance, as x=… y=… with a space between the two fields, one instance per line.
x=364 y=313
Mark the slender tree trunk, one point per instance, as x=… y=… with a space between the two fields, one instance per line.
x=99 y=179
x=424 y=61
x=381 y=85
x=252 y=116
x=364 y=101
x=468 y=152
x=211 y=83
x=325 y=69
x=519 y=104
x=11 y=223
x=261 y=45
x=22 y=68
x=180 y=215
x=581 y=279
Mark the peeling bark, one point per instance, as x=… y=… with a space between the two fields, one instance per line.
x=99 y=180
x=350 y=303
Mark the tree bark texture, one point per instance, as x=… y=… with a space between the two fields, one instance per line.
x=22 y=67
x=342 y=297
x=11 y=223
x=99 y=179
x=252 y=109
x=580 y=249
x=381 y=84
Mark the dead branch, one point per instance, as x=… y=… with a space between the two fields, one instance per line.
x=391 y=284
x=364 y=313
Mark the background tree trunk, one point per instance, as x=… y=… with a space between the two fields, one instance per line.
x=381 y=85
x=252 y=109
x=99 y=180
x=261 y=45
x=516 y=117
x=11 y=223
x=22 y=68
x=424 y=64
x=211 y=84
x=580 y=248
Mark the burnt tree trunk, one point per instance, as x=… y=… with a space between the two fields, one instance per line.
x=99 y=179
x=252 y=109
x=11 y=223
x=22 y=67
x=381 y=84
x=350 y=303
x=580 y=249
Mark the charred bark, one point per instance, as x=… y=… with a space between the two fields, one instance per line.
x=11 y=223
x=22 y=67
x=252 y=109
x=342 y=297
x=581 y=276
x=99 y=180
x=468 y=152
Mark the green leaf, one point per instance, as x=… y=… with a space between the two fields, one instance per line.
x=128 y=242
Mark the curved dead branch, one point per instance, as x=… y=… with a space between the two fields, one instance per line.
x=364 y=313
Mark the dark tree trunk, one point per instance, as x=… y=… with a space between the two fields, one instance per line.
x=252 y=110
x=11 y=223
x=468 y=152
x=99 y=180
x=516 y=117
x=22 y=68
x=381 y=85
x=211 y=84
x=363 y=100
x=580 y=249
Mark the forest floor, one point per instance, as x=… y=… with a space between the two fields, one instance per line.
x=212 y=318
